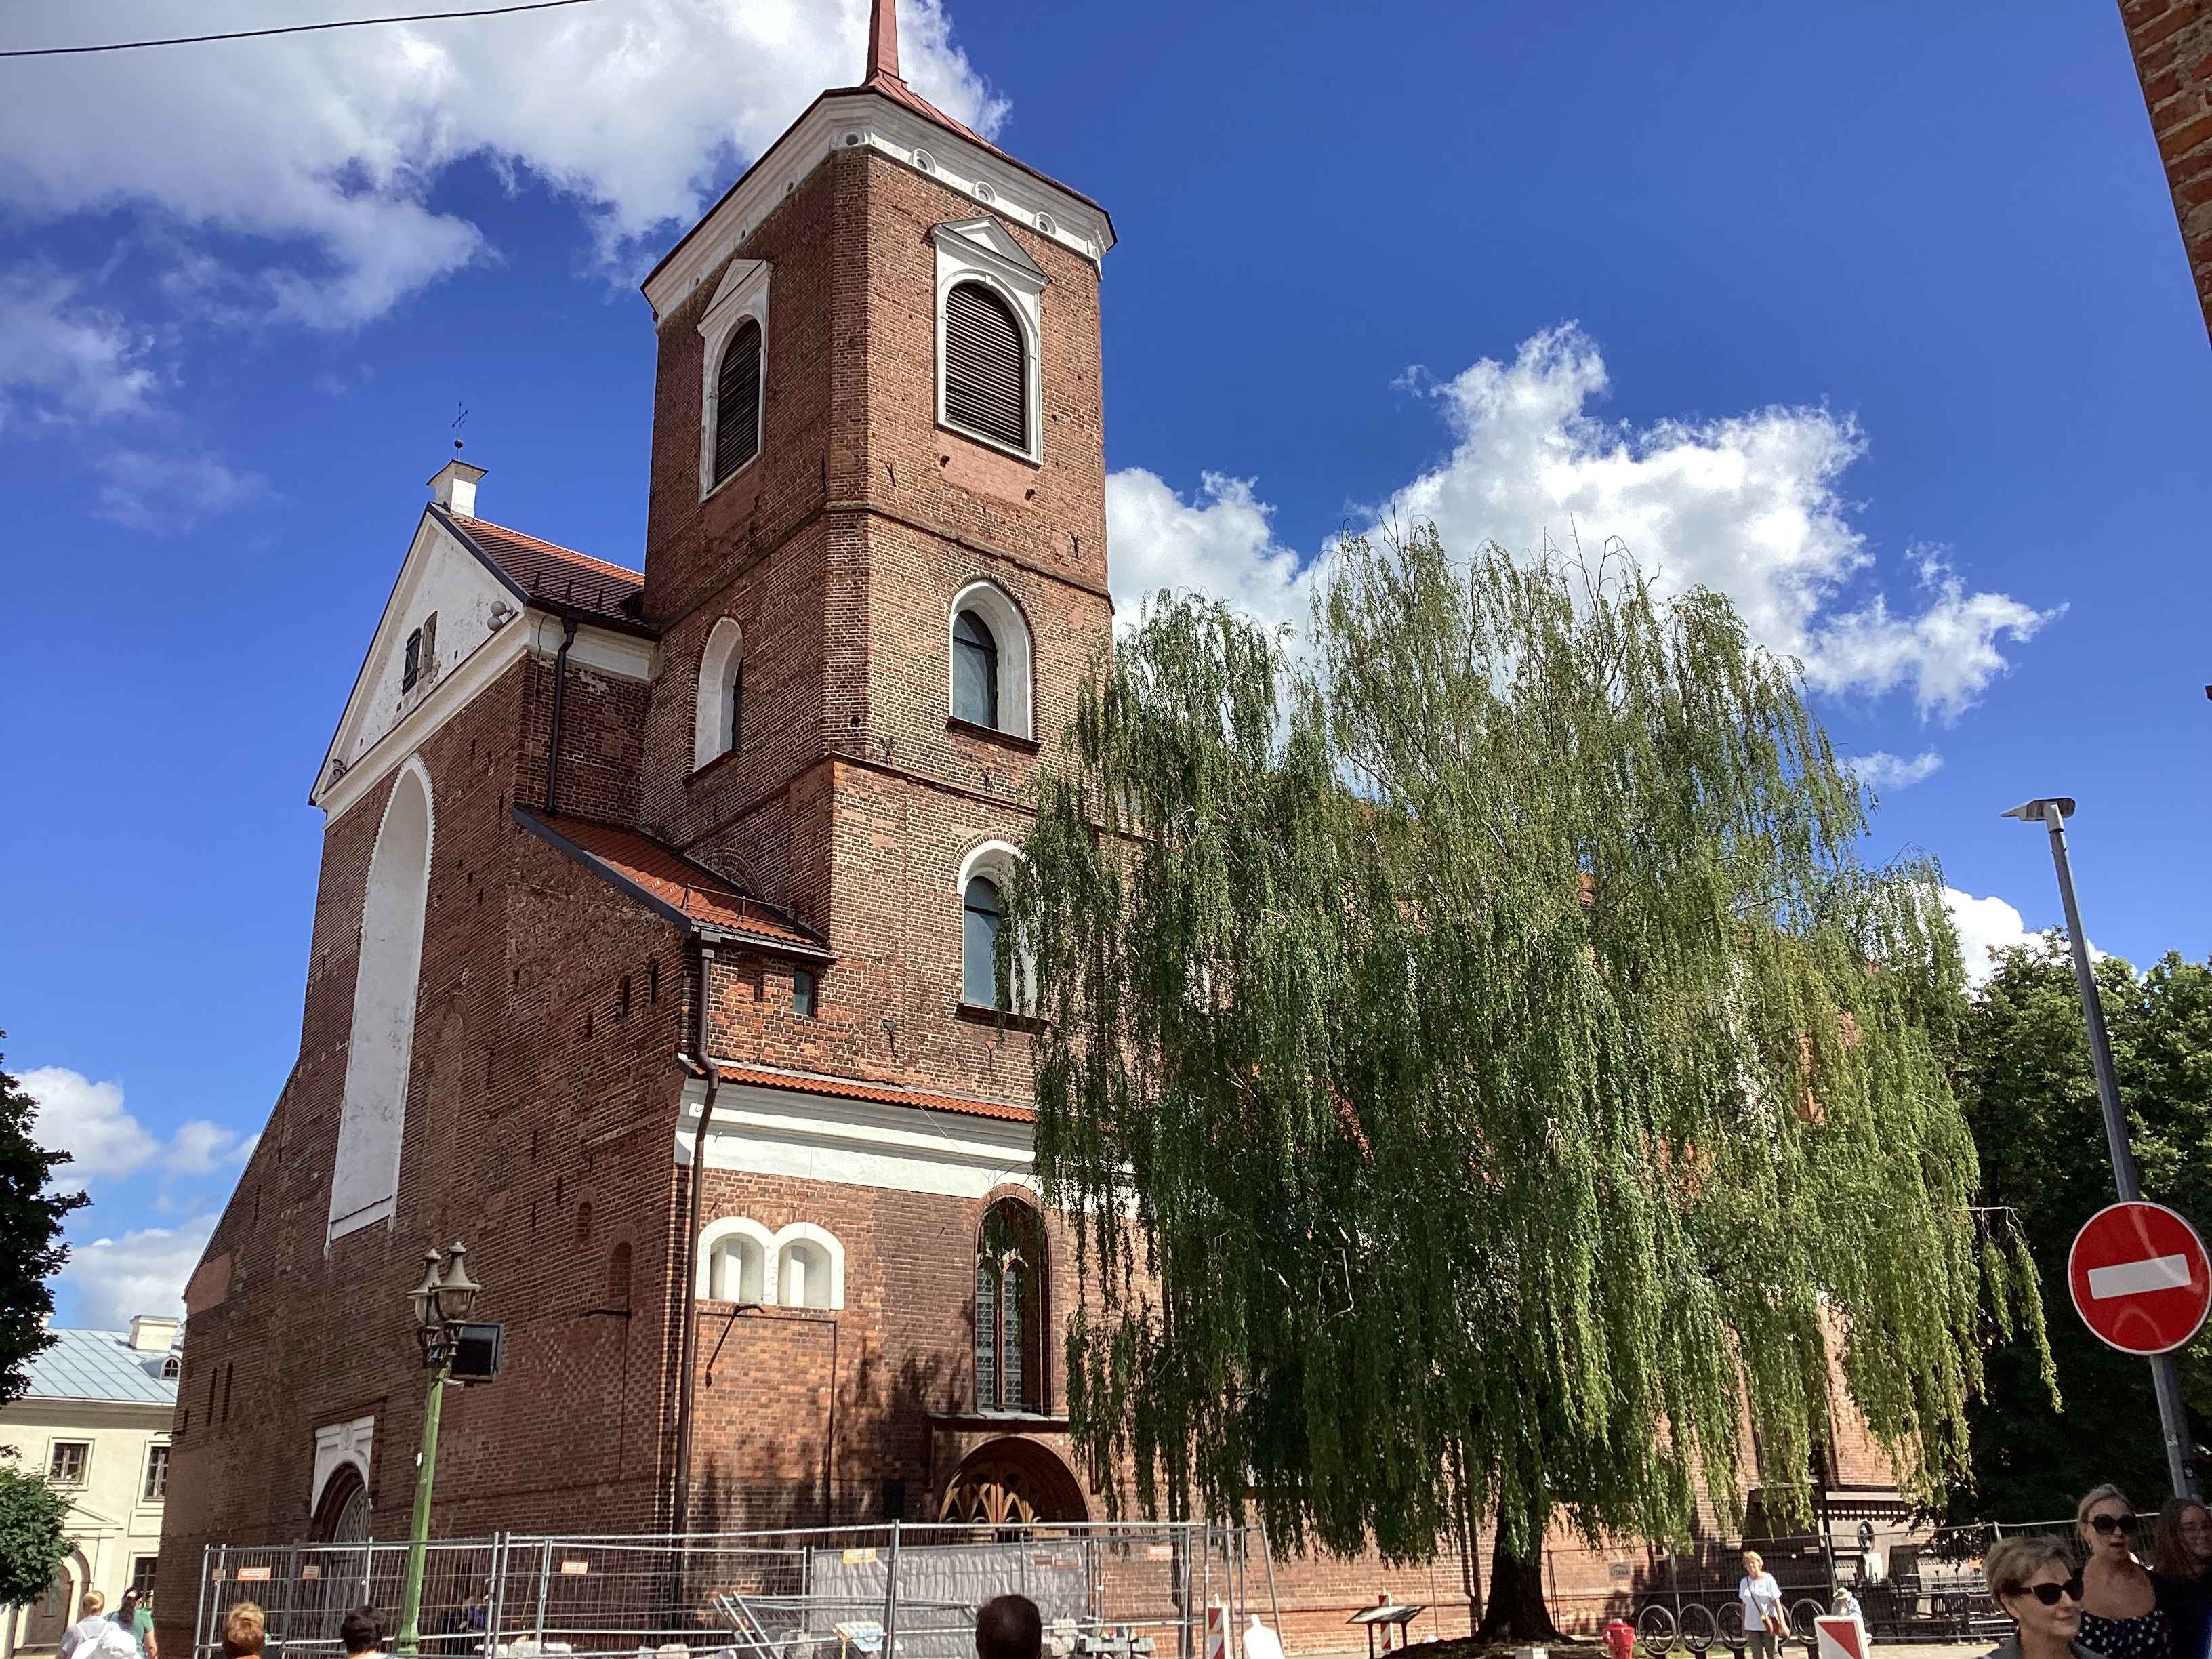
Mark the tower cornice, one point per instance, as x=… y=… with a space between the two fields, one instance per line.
x=873 y=116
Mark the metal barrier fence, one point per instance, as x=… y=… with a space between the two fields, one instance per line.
x=1108 y=1590
x=1688 y=1594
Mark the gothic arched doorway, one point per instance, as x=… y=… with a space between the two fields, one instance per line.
x=1013 y=1482
x=341 y=1513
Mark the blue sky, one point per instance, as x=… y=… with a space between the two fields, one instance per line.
x=1876 y=316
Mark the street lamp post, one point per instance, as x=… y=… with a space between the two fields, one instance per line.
x=2051 y=812
x=441 y=1304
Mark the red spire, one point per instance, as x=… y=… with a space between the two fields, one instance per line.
x=883 y=41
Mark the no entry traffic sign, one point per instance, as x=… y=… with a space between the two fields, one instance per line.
x=2140 y=1278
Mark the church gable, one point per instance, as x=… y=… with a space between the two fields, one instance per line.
x=447 y=602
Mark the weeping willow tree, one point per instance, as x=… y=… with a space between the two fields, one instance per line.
x=1484 y=1076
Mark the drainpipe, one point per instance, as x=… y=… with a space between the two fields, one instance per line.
x=553 y=750
x=687 y=1293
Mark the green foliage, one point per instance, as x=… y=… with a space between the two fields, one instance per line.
x=2031 y=1099
x=32 y=1542
x=1483 y=1066
x=30 y=1215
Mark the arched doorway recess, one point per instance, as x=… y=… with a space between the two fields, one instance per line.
x=1013 y=1481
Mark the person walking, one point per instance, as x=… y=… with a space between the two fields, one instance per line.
x=1765 y=1623
x=2182 y=1542
x=95 y=1636
x=2035 y=1583
x=135 y=1615
x=2121 y=1616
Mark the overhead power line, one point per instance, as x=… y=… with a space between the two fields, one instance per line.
x=288 y=29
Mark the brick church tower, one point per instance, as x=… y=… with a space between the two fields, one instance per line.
x=652 y=949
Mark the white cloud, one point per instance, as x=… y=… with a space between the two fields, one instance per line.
x=1222 y=542
x=1883 y=771
x=108 y=1143
x=86 y=1119
x=199 y=1147
x=62 y=358
x=1750 y=505
x=329 y=147
x=144 y=1271
x=1948 y=652
x=148 y=490
x=1989 y=927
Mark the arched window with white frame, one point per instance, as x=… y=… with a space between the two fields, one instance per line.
x=720 y=727
x=734 y=382
x=989 y=321
x=986 y=880
x=988 y=665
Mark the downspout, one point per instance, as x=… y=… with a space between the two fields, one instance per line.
x=553 y=750
x=680 y=1509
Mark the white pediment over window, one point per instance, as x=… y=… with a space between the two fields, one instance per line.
x=739 y=282
x=991 y=244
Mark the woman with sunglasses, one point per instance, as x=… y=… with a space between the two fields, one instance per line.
x=2121 y=1616
x=2181 y=1540
x=2036 y=1585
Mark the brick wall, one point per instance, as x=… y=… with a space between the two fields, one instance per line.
x=2172 y=40
x=531 y=1097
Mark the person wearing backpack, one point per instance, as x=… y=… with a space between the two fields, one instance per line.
x=96 y=1635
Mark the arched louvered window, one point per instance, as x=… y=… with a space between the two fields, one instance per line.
x=738 y=401
x=986 y=366
x=974 y=671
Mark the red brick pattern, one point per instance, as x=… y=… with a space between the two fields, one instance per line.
x=2172 y=40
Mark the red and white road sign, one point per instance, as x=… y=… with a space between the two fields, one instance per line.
x=2140 y=1278
x=1839 y=1638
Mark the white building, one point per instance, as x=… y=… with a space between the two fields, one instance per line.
x=95 y=1422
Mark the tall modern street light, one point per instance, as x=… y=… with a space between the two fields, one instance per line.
x=2051 y=812
x=441 y=1304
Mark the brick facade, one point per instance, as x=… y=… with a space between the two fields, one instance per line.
x=2172 y=40
x=554 y=1060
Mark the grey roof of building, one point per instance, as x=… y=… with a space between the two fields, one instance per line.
x=99 y=1365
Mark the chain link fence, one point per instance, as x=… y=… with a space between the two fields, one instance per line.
x=1117 y=1590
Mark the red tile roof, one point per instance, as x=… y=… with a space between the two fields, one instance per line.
x=559 y=575
x=660 y=873
x=761 y=1077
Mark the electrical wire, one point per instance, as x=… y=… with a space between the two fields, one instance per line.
x=288 y=29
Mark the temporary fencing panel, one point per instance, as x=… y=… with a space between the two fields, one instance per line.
x=1106 y=1591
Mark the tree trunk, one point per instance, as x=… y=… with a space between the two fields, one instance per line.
x=1517 y=1611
